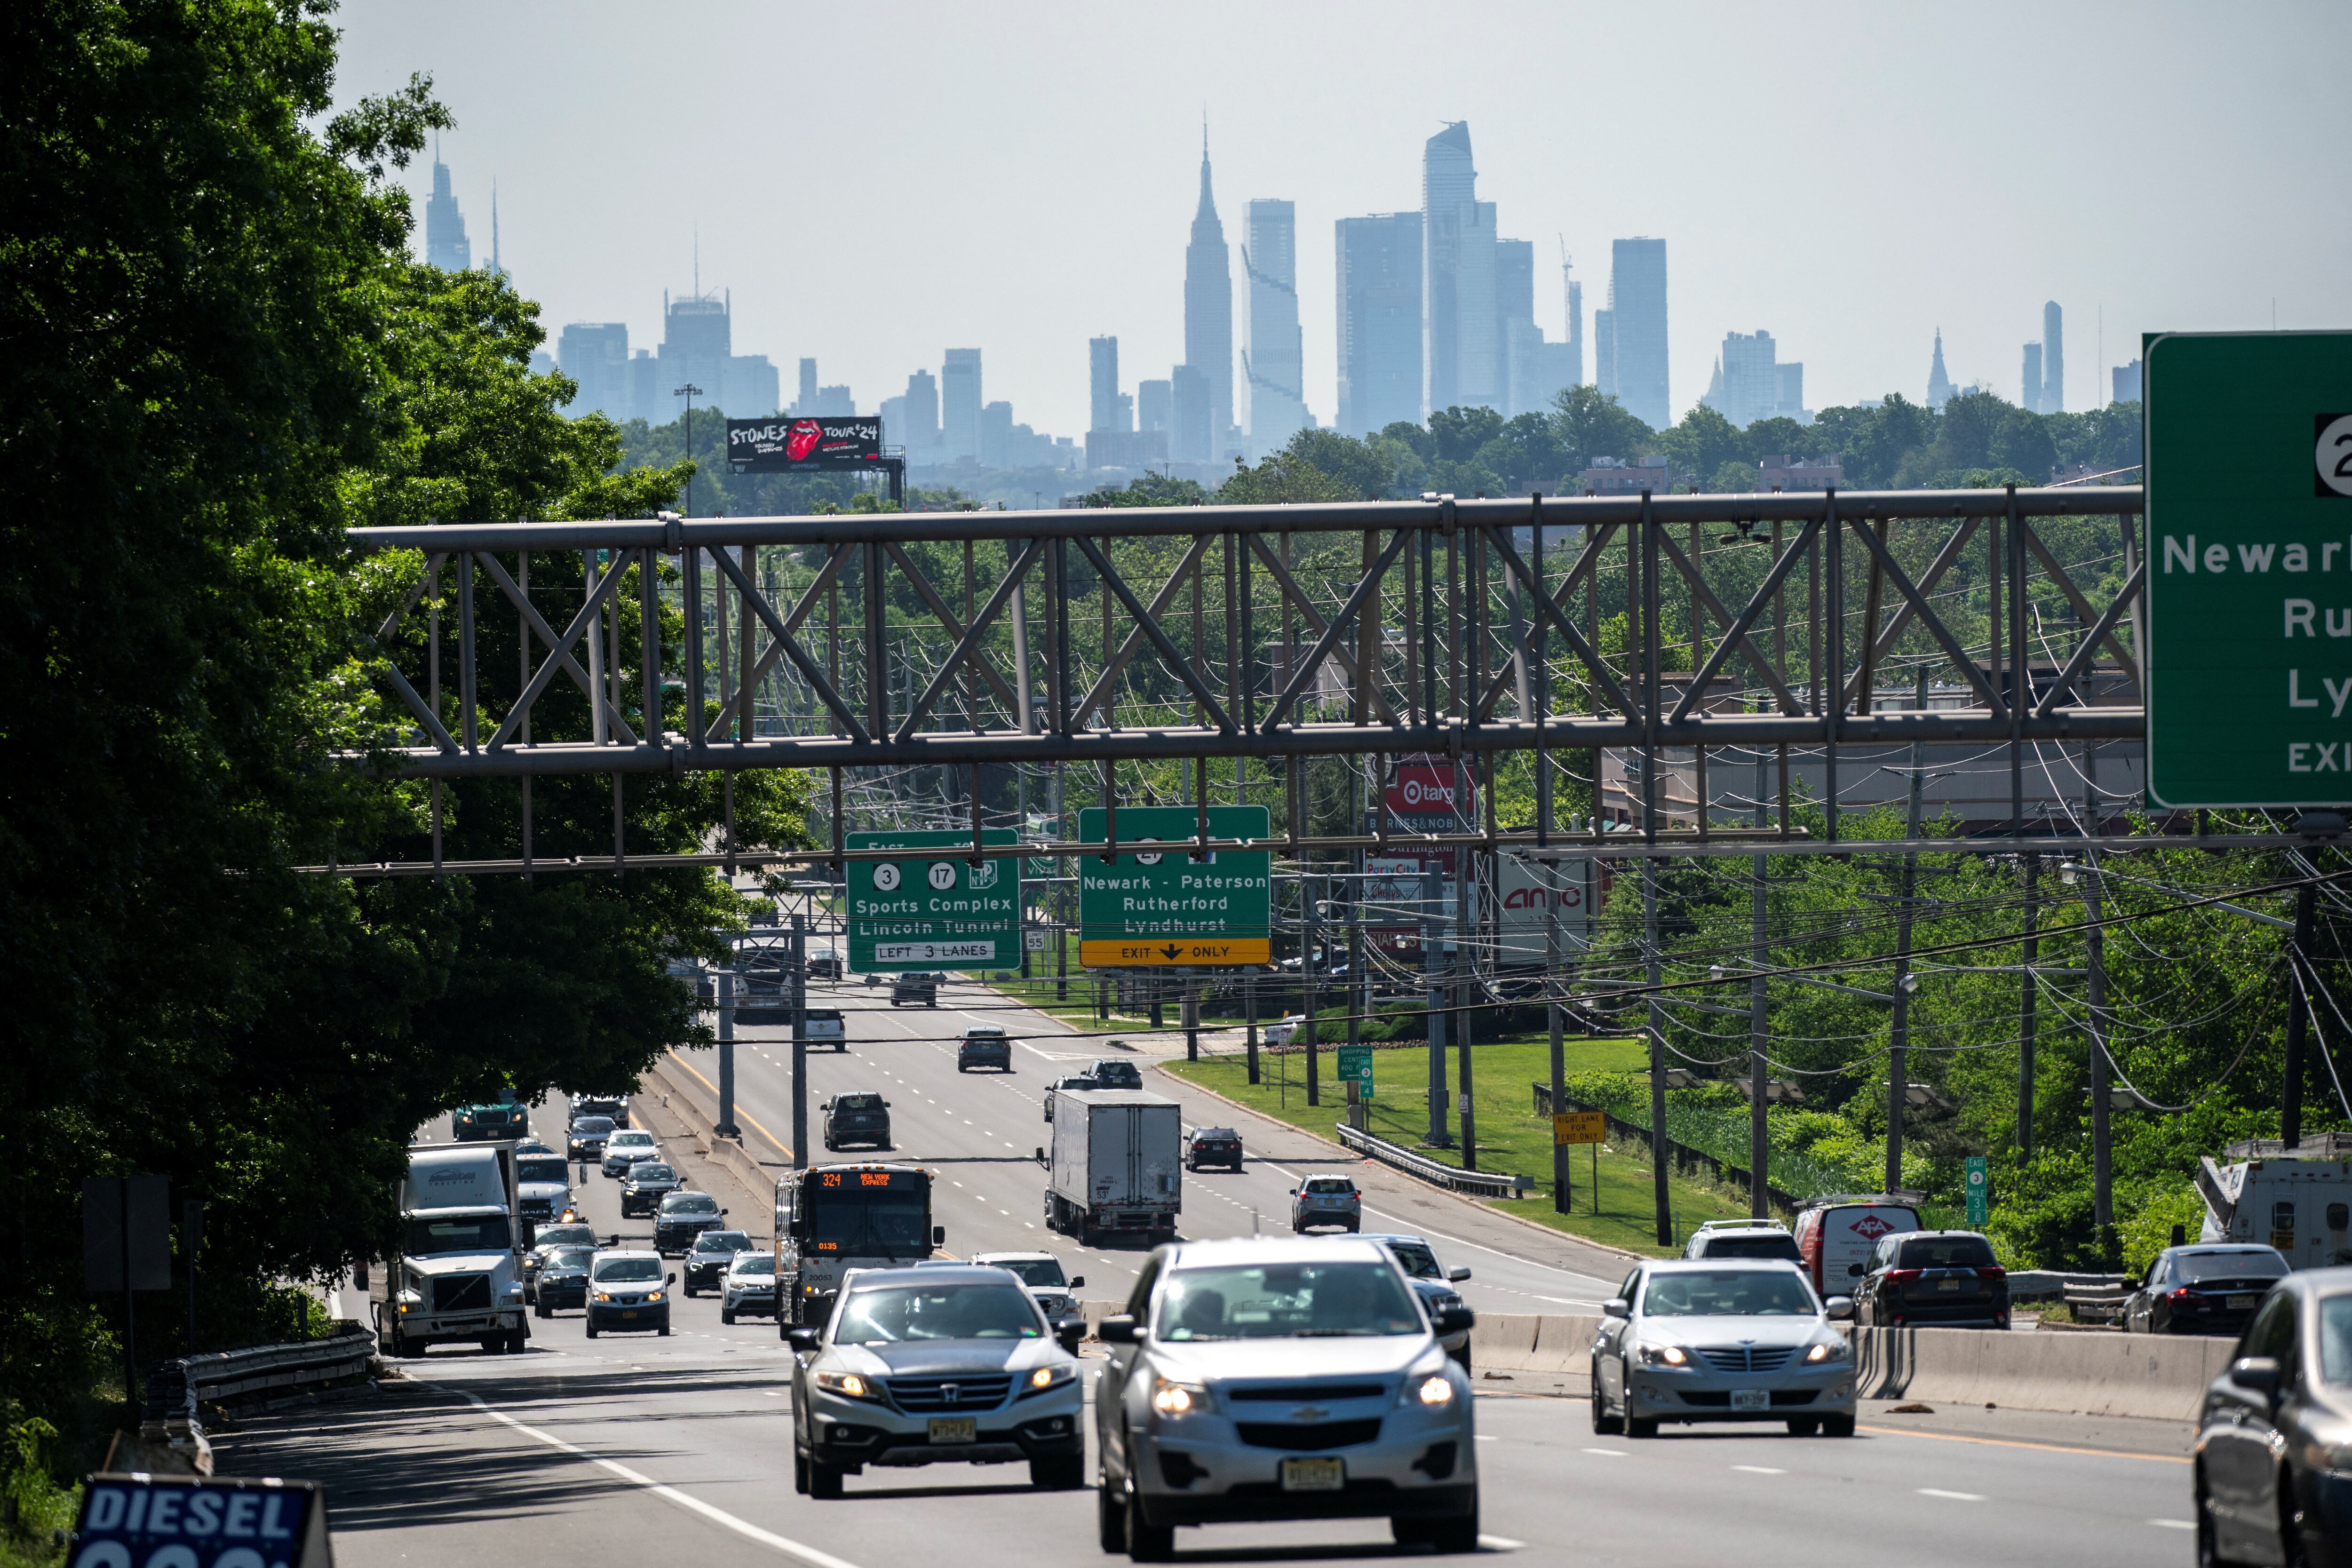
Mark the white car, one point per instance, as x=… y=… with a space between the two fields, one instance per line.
x=943 y=1364
x=625 y=1147
x=1056 y=1295
x=749 y=1286
x=1722 y=1340
x=1280 y=1032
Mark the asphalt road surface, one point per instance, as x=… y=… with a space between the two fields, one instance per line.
x=681 y=1448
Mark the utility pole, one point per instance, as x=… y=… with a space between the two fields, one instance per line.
x=2029 y=986
x=689 y=391
x=2298 y=1021
x=1307 y=982
x=1433 y=1002
x=1664 y=1200
x=1898 y=1086
x=1760 y=1137
x=725 y=1126
x=2103 y=1212
x=799 y=1042
x=1562 y=1154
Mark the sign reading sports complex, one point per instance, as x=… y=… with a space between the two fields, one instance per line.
x=935 y=910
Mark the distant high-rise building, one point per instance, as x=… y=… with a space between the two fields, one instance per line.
x=1940 y=386
x=596 y=355
x=2030 y=382
x=1123 y=416
x=1155 y=406
x=2126 y=382
x=805 y=403
x=1209 y=310
x=1604 y=352
x=1478 y=322
x=833 y=402
x=1449 y=182
x=498 y=267
x=996 y=447
x=1637 y=310
x=1275 y=363
x=1528 y=370
x=1514 y=279
x=1575 y=323
x=1538 y=371
x=2054 y=358
x=893 y=419
x=1747 y=382
x=446 y=245
x=1192 y=438
x=1380 y=322
x=1102 y=382
x=920 y=433
x=697 y=350
x=960 y=405
x=1789 y=377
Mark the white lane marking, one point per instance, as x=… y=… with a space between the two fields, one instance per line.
x=1500 y=1543
x=718 y=1516
x=1955 y=1496
x=1488 y=1437
x=1611 y=1453
x=2174 y=1523
x=1760 y=1469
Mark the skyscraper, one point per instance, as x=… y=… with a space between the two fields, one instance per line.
x=1750 y=379
x=1575 y=321
x=1604 y=352
x=960 y=405
x=596 y=355
x=1380 y=321
x=1940 y=386
x=921 y=435
x=1273 y=366
x=446 y=245
x=1155 y=406
x=805 y=403
x=1209 y=316
x=1478 y=323
x=2030 y=398
x=2054 y=358
x=698 y=349
x=1448 y=183
x=1102 y=382
x=2125 y=381
x=1189 y=440
x=1637 y=309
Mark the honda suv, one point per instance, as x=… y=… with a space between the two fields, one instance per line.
x=860 y=1118
x=1325 y=1201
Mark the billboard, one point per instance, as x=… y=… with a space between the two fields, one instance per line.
x=1527 y=893
x=803 y=446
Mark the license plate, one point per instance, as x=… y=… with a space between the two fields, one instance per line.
x=2239 y=1303
x=954 y=1428
x=1947 y=1284
x=1313 y=1475
x=1751 y=1399
x=629 y=1312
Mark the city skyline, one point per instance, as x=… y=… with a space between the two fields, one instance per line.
x=598 y=212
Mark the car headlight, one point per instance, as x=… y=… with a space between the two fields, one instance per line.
x=1828 y=1349
x=1171 y=1398
x=603 y=1295
x=1664 y=1355
x=1047 y=1377
x=652 y=1296
x=848 y=1384
x=1435 y=1390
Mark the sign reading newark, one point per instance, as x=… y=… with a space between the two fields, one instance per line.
x=1163 y=907
x=935 y=910
x=802 y=446
x=2249 y=440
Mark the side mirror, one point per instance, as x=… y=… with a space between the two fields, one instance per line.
x=1121 y=1328
x=1040 y=1155
x=1078 y=1282
x=1455 y=1320
x=1839 y=1309
x=886 y=1105
x=722 y=1214
x=1294 y=1192
x=1069 y=1334
x=670 y=1277
x=1457 y=1275
x=2258 y=1373
x=1616 y=1307
x=805 y=1341
x=1855 y=1271
x=939 y=1236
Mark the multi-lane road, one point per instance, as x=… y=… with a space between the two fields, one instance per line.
x=682 y=1447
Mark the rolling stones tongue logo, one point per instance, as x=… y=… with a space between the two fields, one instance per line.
x=801 y=439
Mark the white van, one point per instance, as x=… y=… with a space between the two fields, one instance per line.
x=2297 y=1201
x=825 y=1027
x=1835 y=1236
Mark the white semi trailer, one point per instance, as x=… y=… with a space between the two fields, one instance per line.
x=1116 y=1163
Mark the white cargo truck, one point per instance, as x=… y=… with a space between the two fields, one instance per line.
x=456 y=1274
x=2298 y=1201
x=1116 y=1163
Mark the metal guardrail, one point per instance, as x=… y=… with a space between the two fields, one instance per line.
x=1478 y=1184
x=2089 y=1298
x=226 y=1373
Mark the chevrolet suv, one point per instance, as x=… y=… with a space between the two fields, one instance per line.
x=1258 y=1379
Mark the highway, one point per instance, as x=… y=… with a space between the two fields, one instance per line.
x=682 y=1445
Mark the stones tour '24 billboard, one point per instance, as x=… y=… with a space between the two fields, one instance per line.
x=803 y=446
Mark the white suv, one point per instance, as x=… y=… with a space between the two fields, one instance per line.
x=1743 y=1238
x=625 y=1147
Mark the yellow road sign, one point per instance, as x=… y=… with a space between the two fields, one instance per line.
x=1141 y=951
x=1579 y=1126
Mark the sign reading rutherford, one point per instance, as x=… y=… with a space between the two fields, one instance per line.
x=937 y=911
x=2249 y=440
x=783 y=445
x=1163 y=907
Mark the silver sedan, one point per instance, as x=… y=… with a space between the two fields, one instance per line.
x=1722 y=1340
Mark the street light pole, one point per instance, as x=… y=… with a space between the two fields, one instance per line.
x=689 y=391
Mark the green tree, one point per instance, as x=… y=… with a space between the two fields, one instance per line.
x=1589 y=424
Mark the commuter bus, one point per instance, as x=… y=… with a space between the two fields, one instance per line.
x=831 y=1219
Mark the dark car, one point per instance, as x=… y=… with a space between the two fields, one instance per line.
x=1433 y=1283
x=765 y=993
x=2273 y=1429
x=2210 y=1289
x=683 y=1217
x=917 y=988
x=647 y=1182
x=859 y=1118
x=562 y=1279
x=1113 y=1072
x=545 y=1243
x=585 y=1137
x=615 y=1106
x=1074 y=1082
x=984 y=1045
x=706 y=1262
x=472 y=1123
x=1213 y=1146
x=1947 y=1277
x=824 y=963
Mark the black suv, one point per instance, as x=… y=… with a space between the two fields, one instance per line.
x=914 y=986
x=713 y=1255
x=473 y=1124
x=683 y=1217
x=1946 y=1277
x=860 y=1118
x=615 y=1106
x=1114 y=1072
x=647 y=1182
x=984 y=1045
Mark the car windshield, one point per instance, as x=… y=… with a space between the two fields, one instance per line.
x=1729 y=1293
x=722 y=1241
x=591 y=1124
x=690 y=1202
x=1946 y=1252
x=561 y=1235
x=885 y=1222
x=858 y=1103
x=1416 y=1259
x=1286 y=1300
x=2245 y=1264
x=475 y=1233
x=893 y=1314
x=649 y=1173
x=571 y=1258
x=754 y=1263
x=1770 y=1244
x=627 y=1270
x=1034 y=1270
x=541 y=1170
x=633 y=1139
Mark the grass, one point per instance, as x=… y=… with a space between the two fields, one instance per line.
x=1511 y=1138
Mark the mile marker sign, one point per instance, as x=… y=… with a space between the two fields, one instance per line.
x=2249 y=452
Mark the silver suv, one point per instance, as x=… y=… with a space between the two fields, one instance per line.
x=1266 y=1379
x=1722 y=1340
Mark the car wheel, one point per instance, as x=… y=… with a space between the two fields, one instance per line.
x=663 y=1330
x=518 y=1342
x=1603 y=1424
x=1451 y=1536
x=691 y=1291
x=2209 y=1548
x=592 y=1328
x=1147 y=1542
x=494 y=1346
x=800 y=1472
x=540 y=1309
x=1060 y=1473
x=1803 y=1425
x=1111 y=1516
x=1837 y=1426
x=825 y=1480
x=1641 y=1427
x=727 y=1314
x=2293 y=1552
x=1462 y=1357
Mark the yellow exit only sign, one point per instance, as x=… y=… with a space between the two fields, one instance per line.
x=1579 y=1126
x=1139 y=952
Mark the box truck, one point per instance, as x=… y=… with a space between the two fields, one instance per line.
x=2297 y=1200
x=1115 y=1165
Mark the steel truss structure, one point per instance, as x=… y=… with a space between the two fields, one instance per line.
x=1442 y=627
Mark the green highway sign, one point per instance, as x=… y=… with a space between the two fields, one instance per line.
x=934 y=910
x=1356 y=1067
x=1980 y=1191
x=1163 y=907
x=2249 y=451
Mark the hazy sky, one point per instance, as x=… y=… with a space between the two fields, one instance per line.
x=878 y=182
